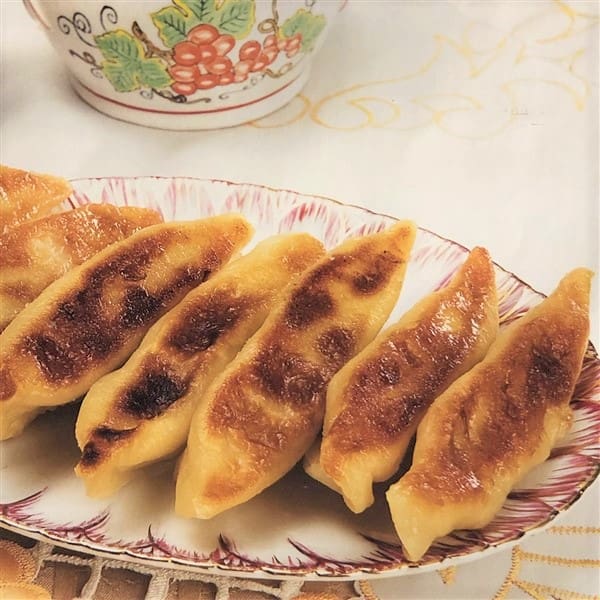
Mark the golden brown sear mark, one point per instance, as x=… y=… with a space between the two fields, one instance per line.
x=207 y=320
x=380 y=268
x=101 y=440
x=7 y=385
x=539 y=376
x=234 y=410
x=337 y=345
x=365 y=274
x=58 y=359
x=311 y=301
x=139 y=307
x=290 y=378
x=369 y=391
x=80 y=332
x=548 y=374
x=307 y=306
x=154 y=392
x=380 y=373
x=201 y=327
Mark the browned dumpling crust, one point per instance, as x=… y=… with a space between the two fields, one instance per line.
x=263 y=413
x=496 y=422
x=90 y=320
x=25 y=195
x=141 y=413
x=375 y=402
x=36 y=253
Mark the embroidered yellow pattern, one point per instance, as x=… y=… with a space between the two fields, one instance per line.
x=574 y=530
x=367 y=591
x=559 y=560
x=515 y=567
x=543 y=591
x=573 y=16
x=491 y=71
x=448 y=575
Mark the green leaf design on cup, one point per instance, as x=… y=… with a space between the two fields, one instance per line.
x=235 y=17
x=202 y=10
x=309 y=26
x=133 y=61
x=122 y=79
x=172 y=25
x=125 y=65
x=119 y=45
x=153 y=74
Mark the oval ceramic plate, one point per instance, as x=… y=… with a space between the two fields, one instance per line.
x=297 y=527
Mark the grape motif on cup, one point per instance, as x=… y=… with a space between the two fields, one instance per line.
x=203 y=60
x=236 y=61
x=197 y=46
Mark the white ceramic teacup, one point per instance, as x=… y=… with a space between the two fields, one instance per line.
x=186 y=64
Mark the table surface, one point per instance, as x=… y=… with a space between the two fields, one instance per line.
x=492 y=140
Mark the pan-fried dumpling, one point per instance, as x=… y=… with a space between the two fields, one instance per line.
x=36 y=253
x=90 y=320
x=141 y=413
x=25 y=195
x=496 y=422
x=264 y=412
x=375 y=402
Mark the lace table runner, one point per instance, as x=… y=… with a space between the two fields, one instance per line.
x=561 y=563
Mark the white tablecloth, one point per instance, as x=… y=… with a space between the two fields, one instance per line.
x=479 y=120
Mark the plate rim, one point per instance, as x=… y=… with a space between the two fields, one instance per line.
x=264 y=570
x=232 y=183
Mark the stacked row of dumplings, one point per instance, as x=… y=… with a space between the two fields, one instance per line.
x=245 y=365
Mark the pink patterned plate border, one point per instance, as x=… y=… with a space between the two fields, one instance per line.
x=296 y=527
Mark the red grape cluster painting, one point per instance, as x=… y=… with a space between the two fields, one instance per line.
x=205 y=59
x=195 y=46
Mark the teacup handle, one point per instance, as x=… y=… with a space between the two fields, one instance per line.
x=35 y=13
